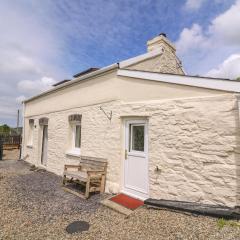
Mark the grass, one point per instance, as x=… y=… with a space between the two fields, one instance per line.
x=223 y=222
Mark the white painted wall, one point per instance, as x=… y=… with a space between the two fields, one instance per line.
x=109 y=87
x=194 y=141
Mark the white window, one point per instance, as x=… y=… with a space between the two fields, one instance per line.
x=30 y=132
x=75 y=134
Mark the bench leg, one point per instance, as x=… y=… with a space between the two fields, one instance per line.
x=87 y=188
x=102 y=187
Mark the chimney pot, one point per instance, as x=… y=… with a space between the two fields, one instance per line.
x=163 y=34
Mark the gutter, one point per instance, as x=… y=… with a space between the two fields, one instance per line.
x=209 y=83
x=75 y=81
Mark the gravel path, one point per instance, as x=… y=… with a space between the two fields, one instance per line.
x=9 y=154
x=33 y=206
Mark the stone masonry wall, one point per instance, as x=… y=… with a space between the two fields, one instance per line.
x=167 y=62
x=194 y=142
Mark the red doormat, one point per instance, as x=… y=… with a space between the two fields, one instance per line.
x=126 y=201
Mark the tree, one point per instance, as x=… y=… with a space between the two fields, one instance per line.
x=4 y=129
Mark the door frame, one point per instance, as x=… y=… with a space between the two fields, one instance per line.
x=42 y=140
x=126 y=123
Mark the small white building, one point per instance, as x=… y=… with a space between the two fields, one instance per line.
x=165 y=135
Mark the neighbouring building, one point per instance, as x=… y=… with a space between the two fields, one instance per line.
x=165 y=135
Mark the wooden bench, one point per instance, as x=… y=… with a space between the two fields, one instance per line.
x=90 y=171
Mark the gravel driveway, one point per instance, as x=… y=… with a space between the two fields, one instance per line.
x=33 y=206
x=9 y=154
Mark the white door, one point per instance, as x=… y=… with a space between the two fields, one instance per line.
x=44 y=145
x=136 y=159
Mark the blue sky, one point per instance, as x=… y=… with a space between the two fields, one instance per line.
x=45 y=41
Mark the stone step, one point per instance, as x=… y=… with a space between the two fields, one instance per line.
x=116 y=207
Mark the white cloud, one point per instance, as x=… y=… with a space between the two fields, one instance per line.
x=30 y=49
x=226 y=27
x=193 y=4
x=192 y=38
x=8 y=110
x=37 y=86
x=230 y=68
x=13 y=62
x=204 y=49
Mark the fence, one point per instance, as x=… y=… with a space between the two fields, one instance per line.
x=8 y=142
x=11 y=141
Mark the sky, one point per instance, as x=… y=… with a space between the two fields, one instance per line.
x=43 y=42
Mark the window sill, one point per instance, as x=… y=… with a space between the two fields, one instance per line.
x=74 y=152
x=29 y=146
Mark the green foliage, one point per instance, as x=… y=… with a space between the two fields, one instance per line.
x=223 y=222
x=238 y=79
x=4 y=129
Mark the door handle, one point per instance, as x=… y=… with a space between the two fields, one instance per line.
x=126 y=155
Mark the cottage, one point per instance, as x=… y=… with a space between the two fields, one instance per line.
x=165 y=135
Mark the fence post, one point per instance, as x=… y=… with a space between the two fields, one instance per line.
x=1 y=148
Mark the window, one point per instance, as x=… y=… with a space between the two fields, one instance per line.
x=77 y=137
x=75 y=134
x=30 y=132
x=136 y=137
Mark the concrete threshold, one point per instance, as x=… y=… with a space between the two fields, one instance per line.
x=116 y=207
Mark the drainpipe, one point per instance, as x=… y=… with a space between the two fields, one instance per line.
x=23 y=131
x=238 y=168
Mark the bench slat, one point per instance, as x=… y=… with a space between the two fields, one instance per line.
x=102 y=160
x=95 y=163
x=82 y=176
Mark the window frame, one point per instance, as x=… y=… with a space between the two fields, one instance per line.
x=30 y=134
x=74 y=120
x=74 y=136
x=73 y=150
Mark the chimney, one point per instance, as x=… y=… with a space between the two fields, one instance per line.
x=162 y=42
